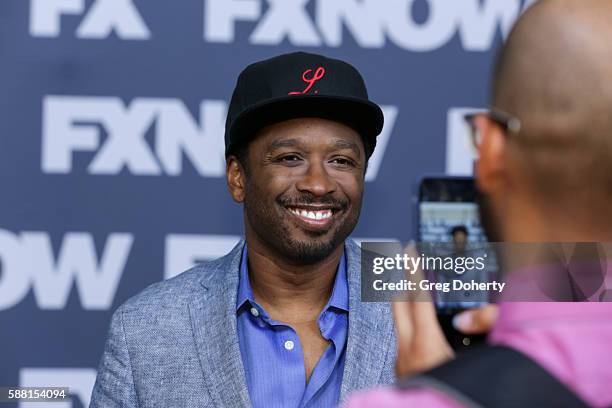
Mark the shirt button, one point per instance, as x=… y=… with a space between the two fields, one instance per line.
x=289 y=345
x=254 y=312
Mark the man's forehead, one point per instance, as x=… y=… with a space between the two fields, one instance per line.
x=306 y=141
x=304 y=131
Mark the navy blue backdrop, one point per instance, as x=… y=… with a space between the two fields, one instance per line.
x=111 y=142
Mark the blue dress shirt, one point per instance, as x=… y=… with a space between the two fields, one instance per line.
x=272 y=355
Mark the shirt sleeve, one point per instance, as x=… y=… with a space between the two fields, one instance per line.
x=394 y=398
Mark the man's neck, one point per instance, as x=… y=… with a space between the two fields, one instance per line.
x=289 y=292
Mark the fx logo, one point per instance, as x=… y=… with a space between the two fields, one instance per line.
x=369 y=23
x=77 y=124
x=116 y=132
x=101 y=19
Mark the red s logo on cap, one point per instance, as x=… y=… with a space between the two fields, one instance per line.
x=318 y=74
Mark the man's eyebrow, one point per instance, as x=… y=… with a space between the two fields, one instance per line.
x=278 y=144
x=347 y=144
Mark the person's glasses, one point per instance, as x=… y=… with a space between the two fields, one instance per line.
x=509 y=123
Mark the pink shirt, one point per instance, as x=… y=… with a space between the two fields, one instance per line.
x=573 y=341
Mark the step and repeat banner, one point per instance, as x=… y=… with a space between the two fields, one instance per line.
x=111 y=143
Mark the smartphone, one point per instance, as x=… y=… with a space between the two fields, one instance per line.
x=449 y=223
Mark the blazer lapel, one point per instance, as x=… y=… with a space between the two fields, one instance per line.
x=213 y=317
x=371 y=342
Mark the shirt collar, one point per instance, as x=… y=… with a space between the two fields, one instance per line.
x=245 y=292
x=338 y=299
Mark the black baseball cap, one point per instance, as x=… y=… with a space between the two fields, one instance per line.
x=300 y=85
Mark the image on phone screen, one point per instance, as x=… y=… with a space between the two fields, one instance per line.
x=448 y=218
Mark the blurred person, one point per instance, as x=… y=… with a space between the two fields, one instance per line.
x=458 y=249
x=459 y=236
x=545 y=170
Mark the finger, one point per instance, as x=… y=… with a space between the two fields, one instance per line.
x=428 y=334
x=476 y=321
x=427 y=329
x=416 y=276
x=404 y=331
x=402 y=318
x=403 y=322
x=424 y=318
x=429 y=345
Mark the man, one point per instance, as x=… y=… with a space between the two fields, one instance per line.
x=545 y=166
x=459 y=249
x=278 y=321
x=459 y=235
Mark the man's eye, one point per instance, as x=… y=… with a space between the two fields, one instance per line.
x=289 y=158
x=341 y=161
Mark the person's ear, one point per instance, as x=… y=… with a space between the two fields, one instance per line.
x=236 y=179
x=491 y=165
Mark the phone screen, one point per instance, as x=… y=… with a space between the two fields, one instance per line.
x=449 y=220
x=446 y=203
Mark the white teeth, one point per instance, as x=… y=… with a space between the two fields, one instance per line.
x=313 y=215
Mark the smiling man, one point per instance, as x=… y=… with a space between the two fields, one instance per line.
x=278 y=321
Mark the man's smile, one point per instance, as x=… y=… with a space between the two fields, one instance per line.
x=313 y=217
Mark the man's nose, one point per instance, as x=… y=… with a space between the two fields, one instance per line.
x=317 y=181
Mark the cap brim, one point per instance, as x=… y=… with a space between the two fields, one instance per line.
x=362 y=115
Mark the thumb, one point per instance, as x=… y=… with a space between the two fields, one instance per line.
x=425 y=321
x=421 y=342
x=403 y=323
x=476 y=321
x=405 y=335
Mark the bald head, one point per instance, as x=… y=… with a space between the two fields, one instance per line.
x=555 y=75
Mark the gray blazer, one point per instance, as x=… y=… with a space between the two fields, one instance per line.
x=175 y=343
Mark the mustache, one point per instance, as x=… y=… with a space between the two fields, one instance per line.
x=310 y=199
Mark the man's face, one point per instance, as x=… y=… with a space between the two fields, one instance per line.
x=491 y=178
x=303 y=189
x=459 y=240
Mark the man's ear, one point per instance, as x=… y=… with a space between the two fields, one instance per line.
x=236 y=179
x=491 y=172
